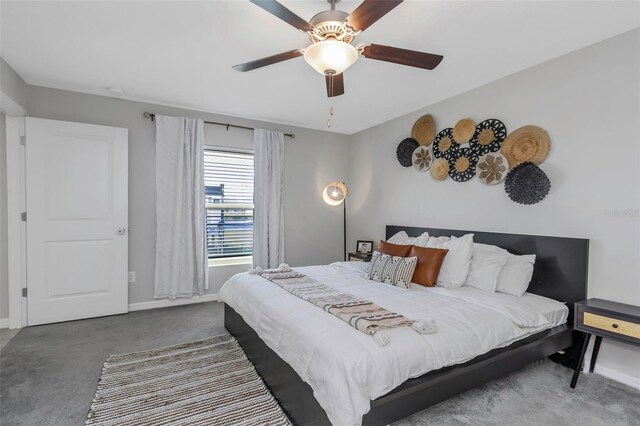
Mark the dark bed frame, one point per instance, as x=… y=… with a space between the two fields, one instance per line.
x=560 y=273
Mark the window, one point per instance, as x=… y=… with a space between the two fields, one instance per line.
x=228 y=180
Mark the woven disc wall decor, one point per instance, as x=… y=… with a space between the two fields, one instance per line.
x=422 y=158
x=489 y=136
x=462 y=165
x=527 y=184
x=404 y=152
x=528 y=143
x=444 y=145
x=440 y=169
x=464 y=130
x=492 y=168
x=424 y=130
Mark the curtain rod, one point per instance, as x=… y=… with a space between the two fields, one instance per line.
x=152 y=116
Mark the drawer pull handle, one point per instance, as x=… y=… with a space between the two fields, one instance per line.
x=614 y=325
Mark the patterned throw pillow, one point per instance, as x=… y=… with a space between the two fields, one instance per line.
x=388 y=269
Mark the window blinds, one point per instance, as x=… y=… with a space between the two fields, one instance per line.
x=228 y=180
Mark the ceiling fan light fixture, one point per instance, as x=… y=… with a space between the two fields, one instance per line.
x=330 y=57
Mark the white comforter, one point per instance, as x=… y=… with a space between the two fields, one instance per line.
x=345 y=368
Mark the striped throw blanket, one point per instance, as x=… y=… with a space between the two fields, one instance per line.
x=361 y=314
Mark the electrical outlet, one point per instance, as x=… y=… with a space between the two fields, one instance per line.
x=132 y=276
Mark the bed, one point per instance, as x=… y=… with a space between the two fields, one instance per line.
x=357 y=382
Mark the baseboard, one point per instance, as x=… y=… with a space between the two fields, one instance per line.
x=625 y=379
x=154 y=304
x=165 y=303
x=634 y=382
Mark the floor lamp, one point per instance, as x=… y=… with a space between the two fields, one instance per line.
x=335 y=194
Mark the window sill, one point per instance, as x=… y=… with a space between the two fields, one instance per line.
x=228 y=261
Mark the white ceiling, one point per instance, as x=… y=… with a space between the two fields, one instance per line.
x=181 y=53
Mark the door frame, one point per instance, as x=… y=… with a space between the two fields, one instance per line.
x=16 y=229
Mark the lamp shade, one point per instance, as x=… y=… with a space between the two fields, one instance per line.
x=330 y=57
x=334 y=193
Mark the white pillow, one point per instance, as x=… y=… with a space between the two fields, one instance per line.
x=438 y=240
x=455 y=267
x=486 y=263
x=516 y=274
x=403 y=239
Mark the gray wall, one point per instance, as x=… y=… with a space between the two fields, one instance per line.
x=313 y=230
x=13 y=86
x=588 y=101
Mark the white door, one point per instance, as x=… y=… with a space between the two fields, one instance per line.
x=76 y=198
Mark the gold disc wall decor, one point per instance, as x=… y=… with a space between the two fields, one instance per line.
x=440 y=169
x=424 y=130
x=528 y=143
x=464 y=130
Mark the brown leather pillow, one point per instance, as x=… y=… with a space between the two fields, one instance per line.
x=429 y=263
x=393 y=249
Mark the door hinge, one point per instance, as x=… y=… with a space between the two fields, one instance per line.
x=23 y=216
x=24 y=292
x=23 y=140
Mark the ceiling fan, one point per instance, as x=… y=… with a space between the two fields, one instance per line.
x=331 y=33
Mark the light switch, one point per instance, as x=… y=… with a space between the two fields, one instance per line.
x=132 y=276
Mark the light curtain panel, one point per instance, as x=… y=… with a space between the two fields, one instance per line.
x=268 y=228
x=181 y=252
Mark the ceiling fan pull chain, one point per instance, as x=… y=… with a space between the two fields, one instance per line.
x=331 y=113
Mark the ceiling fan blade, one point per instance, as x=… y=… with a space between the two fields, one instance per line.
x=335 y=85
x=278 y=10
x=369 y=12
x=269 y=60
x=396 y=55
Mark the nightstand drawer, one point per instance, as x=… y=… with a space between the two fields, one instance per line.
x=612 y=325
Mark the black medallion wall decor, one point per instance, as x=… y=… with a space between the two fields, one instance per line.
x=462 y=164
x=404 y=152
x=488 y=137
x=444 y=145
x=527 y=184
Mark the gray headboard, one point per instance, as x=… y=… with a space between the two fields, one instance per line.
x=560 y=271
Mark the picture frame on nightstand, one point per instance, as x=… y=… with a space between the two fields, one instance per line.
x=365 y=247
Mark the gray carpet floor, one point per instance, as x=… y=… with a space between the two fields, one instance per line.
x=48 y=376
x=6 y=335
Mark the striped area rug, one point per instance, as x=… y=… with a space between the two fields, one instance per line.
x=208 y=382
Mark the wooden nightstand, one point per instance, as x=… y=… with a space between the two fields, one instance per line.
x=359 y=257
x=603 y=318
